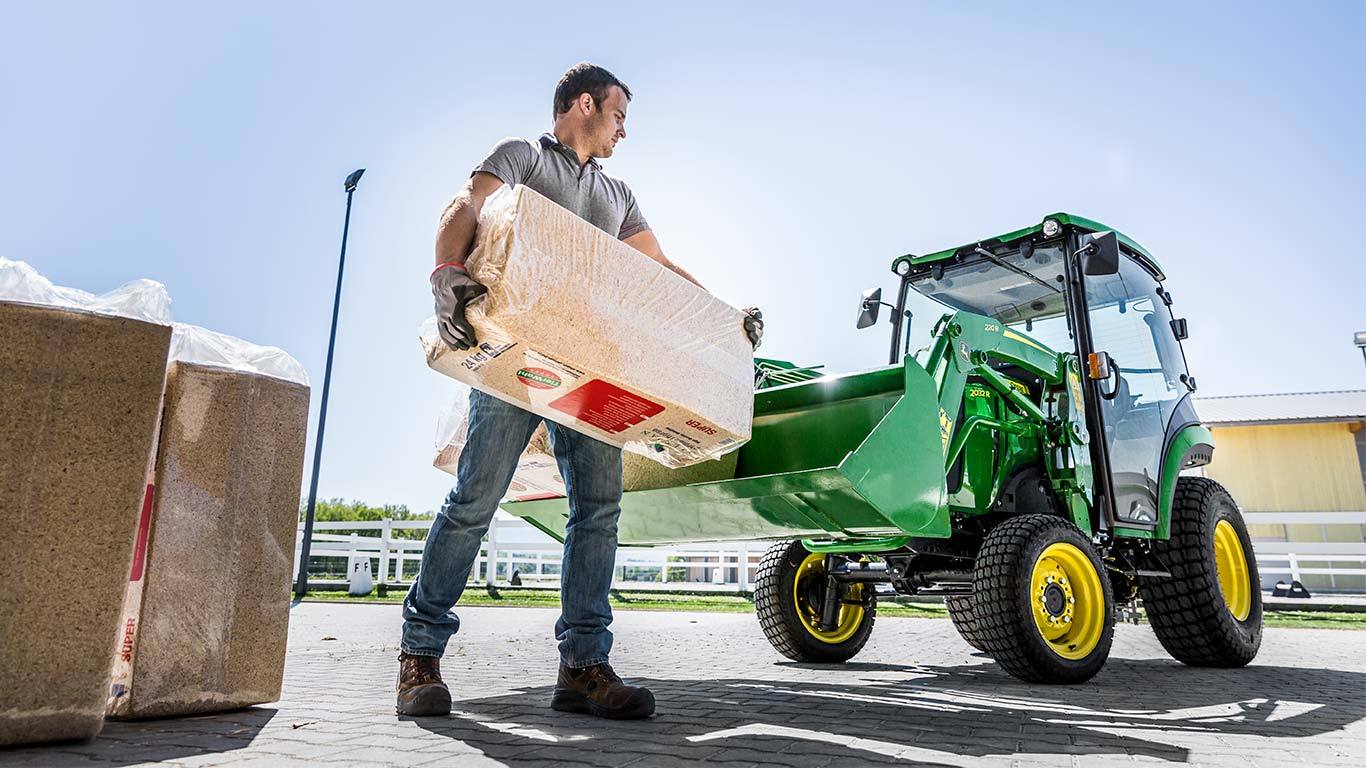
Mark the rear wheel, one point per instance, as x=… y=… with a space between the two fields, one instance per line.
x=964 y=620
x=1043 y=610
x=1209 y=613
x=789 y=592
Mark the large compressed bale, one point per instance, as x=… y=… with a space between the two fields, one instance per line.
x=213 y=617
x=586 y=331
x=80 y=394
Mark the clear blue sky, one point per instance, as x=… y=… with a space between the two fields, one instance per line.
x=784 y=154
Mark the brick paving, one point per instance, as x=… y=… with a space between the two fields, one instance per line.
x=917 y=695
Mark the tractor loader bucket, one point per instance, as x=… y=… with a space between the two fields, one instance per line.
x=841 y=457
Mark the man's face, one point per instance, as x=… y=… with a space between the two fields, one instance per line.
x=607 y=125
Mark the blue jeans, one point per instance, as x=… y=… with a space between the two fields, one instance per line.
x=498 y=433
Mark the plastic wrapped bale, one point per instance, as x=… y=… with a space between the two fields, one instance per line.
x=207 y=611
x=588 y=332
x=538 y=474
x=81 y=382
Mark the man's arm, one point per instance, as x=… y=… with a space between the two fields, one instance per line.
x=455 y=233
x=646 y=242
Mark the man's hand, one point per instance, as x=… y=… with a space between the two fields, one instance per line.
x=754 y=326
x=454 y=289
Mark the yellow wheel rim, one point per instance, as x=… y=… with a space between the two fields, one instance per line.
x=1068 y=601
x=1232 y=565
x=850 y=616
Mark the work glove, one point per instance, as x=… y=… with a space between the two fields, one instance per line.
x=454 y=289
x=754 y=326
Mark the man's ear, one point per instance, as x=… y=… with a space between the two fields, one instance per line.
x=586 y=103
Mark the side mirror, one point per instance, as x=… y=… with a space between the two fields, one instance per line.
x=870 y=304
x=1101 y=253
x=1179 y=328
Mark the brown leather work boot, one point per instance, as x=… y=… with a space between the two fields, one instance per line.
x=597 y=690
x=420 y=690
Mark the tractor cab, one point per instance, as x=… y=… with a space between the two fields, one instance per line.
x=1077 y=288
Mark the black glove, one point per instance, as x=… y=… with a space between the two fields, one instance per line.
x=454 y=289
x=754 y=326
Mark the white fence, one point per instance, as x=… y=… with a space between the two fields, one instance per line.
x=1281 y=559
x=515 y=546
x=512 y=545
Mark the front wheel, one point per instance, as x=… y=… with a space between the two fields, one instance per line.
x=789 y=592
x=1044 y=612
x=1209 y=613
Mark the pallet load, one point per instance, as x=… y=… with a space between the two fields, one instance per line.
x=80 y=381
x=206 y=613
x=588 y=332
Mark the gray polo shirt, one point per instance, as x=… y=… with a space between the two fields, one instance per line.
x=552 y=169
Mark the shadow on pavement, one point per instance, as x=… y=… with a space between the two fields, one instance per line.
x=139 y=741
x=890 y=714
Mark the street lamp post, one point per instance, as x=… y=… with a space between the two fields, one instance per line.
x=301 y=586
x=1360 y=339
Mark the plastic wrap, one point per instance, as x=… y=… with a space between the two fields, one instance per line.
x=80 y=381
x=192 y=344
x=207 y=611
x=138 y=300
x=586 y=331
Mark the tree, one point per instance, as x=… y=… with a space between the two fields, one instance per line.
x=336 y=510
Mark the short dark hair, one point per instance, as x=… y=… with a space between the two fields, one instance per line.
x=586 y=78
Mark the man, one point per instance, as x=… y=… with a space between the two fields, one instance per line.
x=590 y=118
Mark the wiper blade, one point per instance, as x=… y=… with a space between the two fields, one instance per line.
x=1021 y=272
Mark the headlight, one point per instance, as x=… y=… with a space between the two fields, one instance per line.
x=1051 y=227
x=903 y=267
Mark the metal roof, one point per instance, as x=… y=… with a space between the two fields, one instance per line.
x=1336 y=405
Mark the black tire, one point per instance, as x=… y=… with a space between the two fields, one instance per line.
x=964 y=620
x=1004 y=602
x=775 y=584
x=1188 y=612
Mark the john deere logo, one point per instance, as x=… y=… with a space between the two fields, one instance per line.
x=538 y=378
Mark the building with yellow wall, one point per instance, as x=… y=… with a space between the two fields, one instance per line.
x=1296 y=465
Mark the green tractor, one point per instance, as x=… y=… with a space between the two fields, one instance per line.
x=1025 y=466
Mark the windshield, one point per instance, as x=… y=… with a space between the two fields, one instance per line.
x=1010 y=285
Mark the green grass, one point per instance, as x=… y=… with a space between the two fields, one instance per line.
x=1314 y=620
x=667 y=601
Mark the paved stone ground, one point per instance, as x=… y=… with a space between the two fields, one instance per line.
x=917 y=695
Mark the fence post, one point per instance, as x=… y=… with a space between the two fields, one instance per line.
x=1294 y=566
x=491 y=561
x=385 y=530
x=351 y=557
x=298 y=553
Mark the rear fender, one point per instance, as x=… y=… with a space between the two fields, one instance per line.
x=1193 y=446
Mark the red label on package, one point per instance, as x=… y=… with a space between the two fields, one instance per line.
x=144 y=529
x=607 y=406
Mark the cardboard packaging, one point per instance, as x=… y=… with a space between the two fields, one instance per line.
x=206 y=613
x=586 y=331
x=79 y=397
x=538 y=474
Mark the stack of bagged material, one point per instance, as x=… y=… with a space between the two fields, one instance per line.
x=80 y=382
x=207 y=610
x=538 y=475
x=586 y=331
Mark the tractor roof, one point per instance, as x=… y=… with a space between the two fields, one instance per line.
x=1065 y=219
